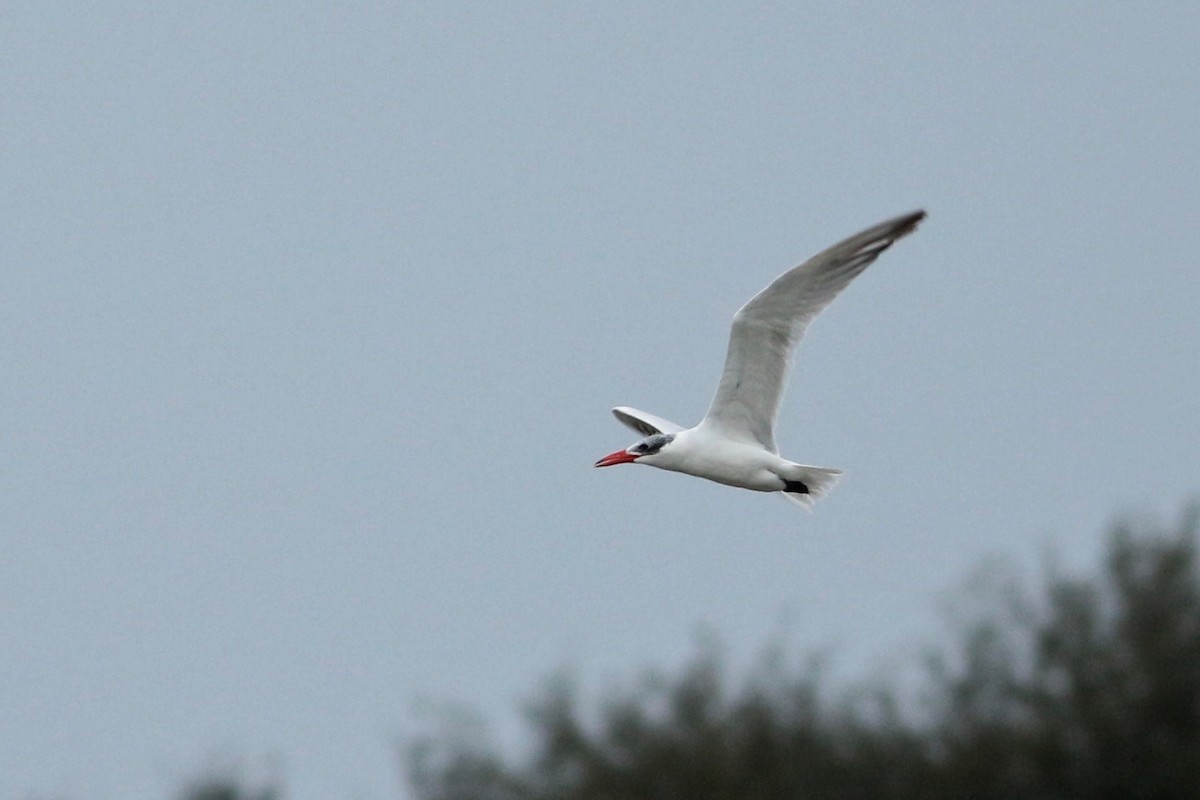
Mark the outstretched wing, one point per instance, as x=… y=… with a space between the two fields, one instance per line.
x=767 y=329
x=643 y=423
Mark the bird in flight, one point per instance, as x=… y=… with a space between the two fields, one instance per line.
x=735 y=442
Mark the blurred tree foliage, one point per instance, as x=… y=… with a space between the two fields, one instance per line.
x=1087 y=688
x=225 y=788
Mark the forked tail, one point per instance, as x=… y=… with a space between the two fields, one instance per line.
x=806 y=484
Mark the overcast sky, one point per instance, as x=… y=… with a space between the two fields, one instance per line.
x=313 y=314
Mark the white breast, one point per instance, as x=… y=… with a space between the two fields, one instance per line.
x=700 y=452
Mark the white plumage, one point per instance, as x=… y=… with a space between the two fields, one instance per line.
x=735 y=442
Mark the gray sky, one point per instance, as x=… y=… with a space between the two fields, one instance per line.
x=313 y=317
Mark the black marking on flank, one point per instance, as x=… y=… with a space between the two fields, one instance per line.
x=799 y=487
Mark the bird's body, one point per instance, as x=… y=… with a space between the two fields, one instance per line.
x=701 y=452
x=698 y=452
x=735 y=442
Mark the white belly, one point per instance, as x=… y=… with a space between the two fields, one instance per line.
x=732 y=463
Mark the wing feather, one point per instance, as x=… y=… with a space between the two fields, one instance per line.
x=767 y=329
x=644 y=423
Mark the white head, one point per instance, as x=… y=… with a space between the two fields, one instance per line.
x=645 y=451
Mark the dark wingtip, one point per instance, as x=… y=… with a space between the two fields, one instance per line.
x=909 y=222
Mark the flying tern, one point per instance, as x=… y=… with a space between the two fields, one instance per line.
x=735 y=442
